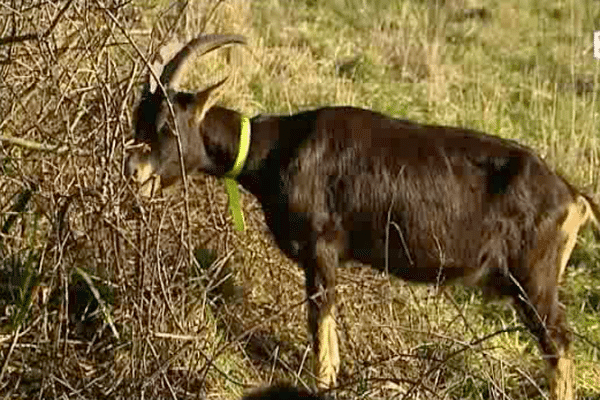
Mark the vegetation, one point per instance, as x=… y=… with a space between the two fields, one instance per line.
x=106 y=295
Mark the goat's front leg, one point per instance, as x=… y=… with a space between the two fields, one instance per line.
x=320 y=264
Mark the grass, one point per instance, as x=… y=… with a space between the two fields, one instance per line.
x=523 y=70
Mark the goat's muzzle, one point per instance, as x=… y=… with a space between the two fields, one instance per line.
x=139 y=168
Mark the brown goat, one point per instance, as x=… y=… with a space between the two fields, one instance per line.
x=427 y=203
x=281 y=392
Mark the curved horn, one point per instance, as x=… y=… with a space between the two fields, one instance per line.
x=172 y=71
x=156 y=63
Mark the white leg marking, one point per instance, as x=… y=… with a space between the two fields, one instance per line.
x=562 y=376
x=561 y=383
x=577 y=214
x=328 y=359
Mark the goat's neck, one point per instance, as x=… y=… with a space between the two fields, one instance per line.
x=220 y=134
x=222 y=129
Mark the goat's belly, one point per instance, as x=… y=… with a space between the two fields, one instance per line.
x=436 y=275
x=418 y=268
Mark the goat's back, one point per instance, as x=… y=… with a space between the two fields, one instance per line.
x=434 y=201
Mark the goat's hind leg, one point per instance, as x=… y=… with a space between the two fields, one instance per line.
x=544 y=315
x=320 y=287
x=539 y=306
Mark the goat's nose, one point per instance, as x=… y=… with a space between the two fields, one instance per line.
x=130 y=171
x=136 y=156
x=132 y=166
x=128 y=168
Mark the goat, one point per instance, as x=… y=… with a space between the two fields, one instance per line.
x=427 y=203
x=281 y=392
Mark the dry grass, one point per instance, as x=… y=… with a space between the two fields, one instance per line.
x=101 y=292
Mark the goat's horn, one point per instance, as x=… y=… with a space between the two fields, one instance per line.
x=172 y=71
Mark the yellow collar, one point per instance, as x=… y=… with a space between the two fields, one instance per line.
x=230 y=182
x=243 y=150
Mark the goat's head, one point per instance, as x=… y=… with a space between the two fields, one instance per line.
x=154 y=159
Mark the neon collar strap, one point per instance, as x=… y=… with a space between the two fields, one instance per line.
x=230 y=183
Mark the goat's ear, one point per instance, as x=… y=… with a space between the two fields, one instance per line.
x=206 y=99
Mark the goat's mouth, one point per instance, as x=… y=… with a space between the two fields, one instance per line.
x=140 y=170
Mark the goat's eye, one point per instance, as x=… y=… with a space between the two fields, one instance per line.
x=164 y=129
